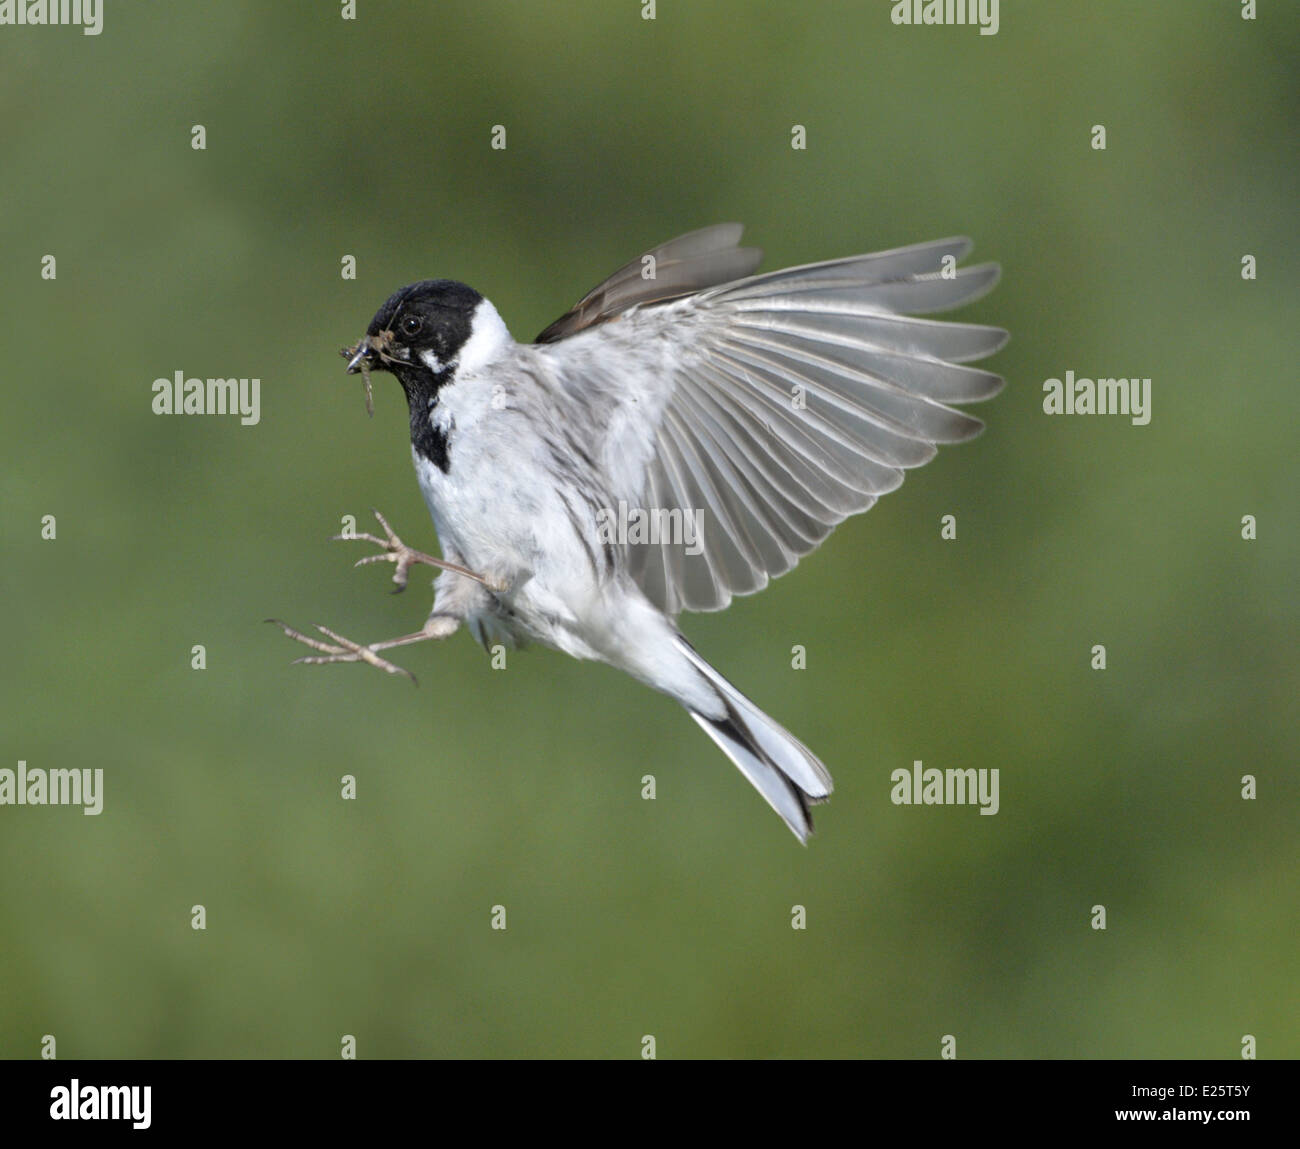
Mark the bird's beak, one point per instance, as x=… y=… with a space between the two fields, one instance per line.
x=372 y=351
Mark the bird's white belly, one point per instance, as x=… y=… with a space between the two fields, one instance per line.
x=512 y=533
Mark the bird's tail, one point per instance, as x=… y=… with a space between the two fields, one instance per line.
x=780 y=767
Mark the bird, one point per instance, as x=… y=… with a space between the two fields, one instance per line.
x=683 y=434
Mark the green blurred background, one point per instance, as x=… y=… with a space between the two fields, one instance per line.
x=522 y=788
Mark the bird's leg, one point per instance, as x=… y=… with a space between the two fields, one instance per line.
x=396 y=551
x=449 y=608
x=341 y=649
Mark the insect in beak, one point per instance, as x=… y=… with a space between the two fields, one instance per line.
x=358 y=358
x=361 y=355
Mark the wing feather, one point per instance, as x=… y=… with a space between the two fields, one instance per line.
x=680 y=267
x=780 y=403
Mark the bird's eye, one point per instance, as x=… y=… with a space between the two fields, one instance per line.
x=411 y=325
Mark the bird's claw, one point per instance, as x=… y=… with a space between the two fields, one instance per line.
x=395 y=551
x=340 y=649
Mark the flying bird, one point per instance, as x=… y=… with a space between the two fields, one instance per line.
x=686 y=432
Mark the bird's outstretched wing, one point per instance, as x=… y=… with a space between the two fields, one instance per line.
x=781 y=404
x=680 y=267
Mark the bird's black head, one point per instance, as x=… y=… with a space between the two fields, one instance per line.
x=426 y=334
x=418 y=335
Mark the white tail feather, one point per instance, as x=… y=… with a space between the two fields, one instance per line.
x=779 y=766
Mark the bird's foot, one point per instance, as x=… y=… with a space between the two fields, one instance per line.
x=340 y=649
x=396 y=551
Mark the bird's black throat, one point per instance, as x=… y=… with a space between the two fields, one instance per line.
x=430 y=442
